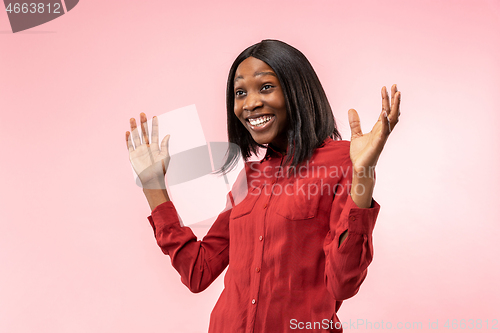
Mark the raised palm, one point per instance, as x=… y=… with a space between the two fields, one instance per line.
x=148 y=160
x=365 y=149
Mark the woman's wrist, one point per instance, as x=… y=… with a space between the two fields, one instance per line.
x=156 y=197
x=363 y=183
x=155 y=183
x=155 y=191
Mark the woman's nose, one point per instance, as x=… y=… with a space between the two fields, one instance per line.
x=252 y=101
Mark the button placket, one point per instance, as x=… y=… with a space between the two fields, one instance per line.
x=258 y=260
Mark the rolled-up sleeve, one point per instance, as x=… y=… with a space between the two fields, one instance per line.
x=346 y=265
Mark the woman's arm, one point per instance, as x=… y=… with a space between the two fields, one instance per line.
x=366 y=148
x=198 y=262
x=148 y=160
x=348 y=245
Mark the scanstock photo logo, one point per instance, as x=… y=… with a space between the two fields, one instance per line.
x=26 y=15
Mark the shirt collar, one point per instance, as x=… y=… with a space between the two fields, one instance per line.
x=273 y=152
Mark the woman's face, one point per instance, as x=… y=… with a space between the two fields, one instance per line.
x=259 y=102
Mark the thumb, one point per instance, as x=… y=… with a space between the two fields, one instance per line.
x=354 y=123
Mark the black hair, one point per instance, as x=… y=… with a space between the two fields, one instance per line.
x=309 y=115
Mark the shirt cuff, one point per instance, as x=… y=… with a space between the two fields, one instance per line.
x=360 y=220
x=163 y=215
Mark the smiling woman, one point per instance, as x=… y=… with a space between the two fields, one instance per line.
x=309 y=117
x=259 y=103
x=300 y=242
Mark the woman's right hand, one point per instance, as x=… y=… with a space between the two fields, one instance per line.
x=148 y=160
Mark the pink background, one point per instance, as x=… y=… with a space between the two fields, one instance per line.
x=76 y=251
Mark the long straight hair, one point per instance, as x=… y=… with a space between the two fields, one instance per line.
x=310 y=117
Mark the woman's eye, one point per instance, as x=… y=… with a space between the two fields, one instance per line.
x=238 y=93
x=266 y=87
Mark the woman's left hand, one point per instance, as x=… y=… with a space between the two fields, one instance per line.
x=366 y=148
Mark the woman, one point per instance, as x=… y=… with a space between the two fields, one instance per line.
x=299 y=242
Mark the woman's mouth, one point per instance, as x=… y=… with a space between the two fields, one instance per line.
x=260 y=123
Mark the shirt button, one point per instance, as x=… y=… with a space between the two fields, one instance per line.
x=353 y=218
x=253 y=301
x=257 y=269
x=261 y=238
x=265 y=206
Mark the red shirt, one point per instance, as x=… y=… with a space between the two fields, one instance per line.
x=286 y=269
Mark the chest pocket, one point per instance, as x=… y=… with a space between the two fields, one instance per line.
x=245 y=207
x=299 y=199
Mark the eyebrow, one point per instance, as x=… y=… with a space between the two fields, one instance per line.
x=256 y=74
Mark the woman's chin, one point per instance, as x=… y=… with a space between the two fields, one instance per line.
x=262 y=140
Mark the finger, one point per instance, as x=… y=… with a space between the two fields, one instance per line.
x=128 y=138
x=394 y=89
x=386 y=124
x=354 y=123
x=144 y=128
x=154 y=131
x=135 y=133
x=399 y=104
x=164 y=151
x=394 y=115
x=164 y=145
x=385 y=100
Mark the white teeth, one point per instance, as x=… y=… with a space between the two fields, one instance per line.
x=259 y=121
